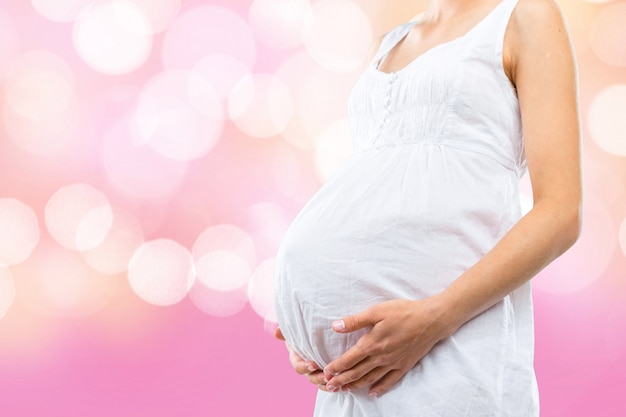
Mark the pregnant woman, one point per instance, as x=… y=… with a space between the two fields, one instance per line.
x=402 y=287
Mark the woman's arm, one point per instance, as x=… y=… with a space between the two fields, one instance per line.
x=539 y=60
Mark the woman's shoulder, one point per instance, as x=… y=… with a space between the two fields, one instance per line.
x=535 y=27
x=532 y=17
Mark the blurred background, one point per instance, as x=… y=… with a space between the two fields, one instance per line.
x=152 y=154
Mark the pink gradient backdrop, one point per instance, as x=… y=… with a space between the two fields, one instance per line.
x=205 y=126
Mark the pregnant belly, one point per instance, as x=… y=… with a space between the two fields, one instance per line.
x=326 y=270
x=382 y=228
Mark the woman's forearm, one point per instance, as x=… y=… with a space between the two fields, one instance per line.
x=547 y=231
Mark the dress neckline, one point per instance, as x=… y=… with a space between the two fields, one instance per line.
x=407 y=29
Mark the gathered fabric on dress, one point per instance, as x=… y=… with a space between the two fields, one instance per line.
x=431 y=186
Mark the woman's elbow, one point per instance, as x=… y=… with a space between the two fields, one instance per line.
x=572 y=224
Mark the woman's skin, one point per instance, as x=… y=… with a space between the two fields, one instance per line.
x=539 y=61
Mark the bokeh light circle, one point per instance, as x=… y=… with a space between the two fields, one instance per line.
x=41 y=87
x=333 y=148
x=608 y=33
x=160 y=13
x=207 y=30
x=19 y=231
x=137 y=169
x=297 y=72
x=280 y=23
x=287 y=172
x=222 y=270
x=78 y=216
x=161 y=272
x=218 y=303
x=225 y=237
x=224 y=257
x=40 y=109
x=311 y=86
x=340 y=35
x=56 y=281
x=7 y=290
x=261 y=105
x=607 y=123
x=267 y=223
x=168 y=121
x=220 y=71
x=261 y=290
x=113 y=37
x=60 y=10
x=9 y=40
x=113 y=254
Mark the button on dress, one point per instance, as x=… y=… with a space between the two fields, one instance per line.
x=431 y=186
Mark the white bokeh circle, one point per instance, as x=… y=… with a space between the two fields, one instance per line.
x=608 y=33
x=60 y=10
x=40 y=109
x=161 y=272
x=19 y=231
x=207 y=30
x=218 y=303
x=137 y=169
x=176 y=121
x=607 y=123
x=160 y=13
x=340 y=35
x=9 y=40
x=280 y=23
x=113 y=254
x=261 y=105
x=222 y=270
x=225 y=237
x=261 y=290
x=220 y=71
x=113 y=37
x=78 y=216
x=56 y=281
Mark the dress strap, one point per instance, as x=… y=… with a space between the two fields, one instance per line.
x=503 y=22
x=390 y=40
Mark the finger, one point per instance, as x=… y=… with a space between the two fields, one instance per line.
x=301 y=365
x=316 y=378
x=306 y=367
x=355 y=322
x=385 y=383
x=278 y=334
x=349 y=359
x=364 y=374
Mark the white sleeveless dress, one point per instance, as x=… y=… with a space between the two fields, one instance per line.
x=431 y=186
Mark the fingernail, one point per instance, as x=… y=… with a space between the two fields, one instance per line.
x=373 y=395
x=311 y=368
x=339 y=325
x=331 y=388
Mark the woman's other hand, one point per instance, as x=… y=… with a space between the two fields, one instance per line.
x=402 y=332
x=303 y=367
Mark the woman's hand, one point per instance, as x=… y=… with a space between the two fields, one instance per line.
x=303 y=367
x=402 y=332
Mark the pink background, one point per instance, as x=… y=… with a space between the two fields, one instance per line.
x=129 y=128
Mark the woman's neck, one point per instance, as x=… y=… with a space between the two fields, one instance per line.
x=445 y=10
